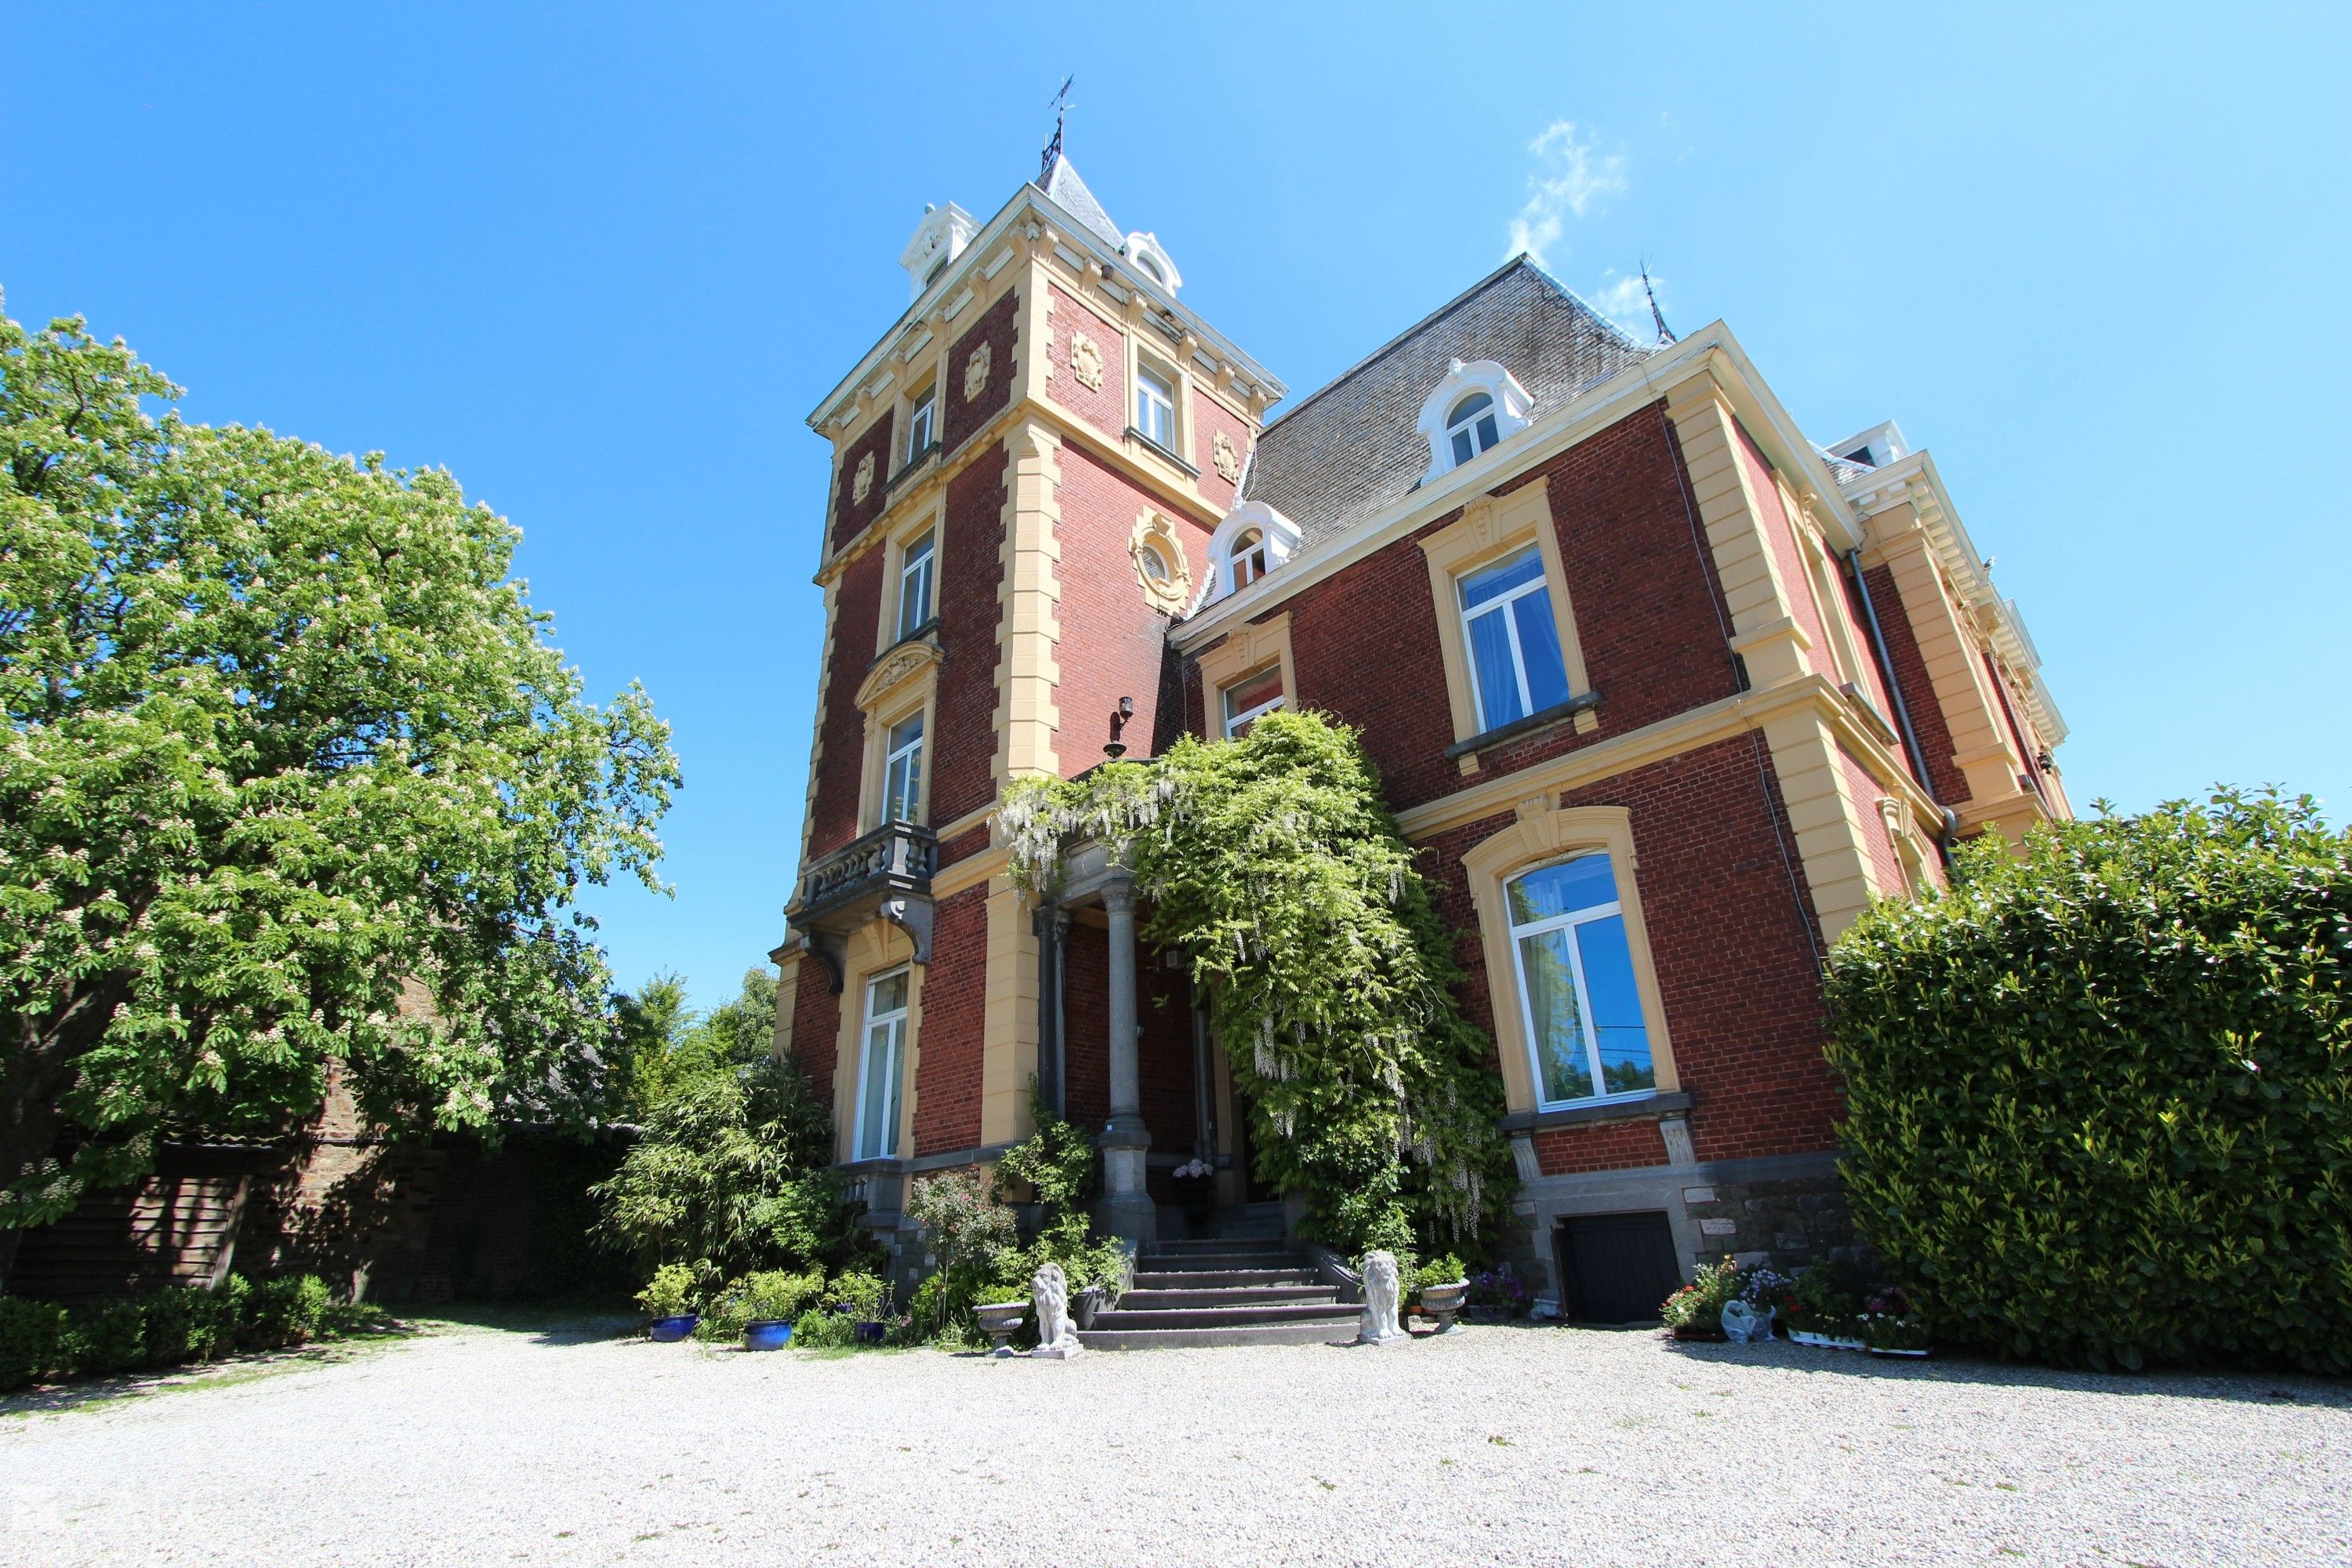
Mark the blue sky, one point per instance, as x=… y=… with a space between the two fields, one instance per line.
x=600 y=262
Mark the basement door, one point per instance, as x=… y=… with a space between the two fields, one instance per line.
x=1616 y=1268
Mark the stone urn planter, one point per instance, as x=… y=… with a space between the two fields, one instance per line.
x=766 y=1335
x=669 y=1331
x=1444 y=1302
x=999 y=1321
x=1083 y=1310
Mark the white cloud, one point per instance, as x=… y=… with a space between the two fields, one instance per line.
x=1620 y=298
x=1571 y=174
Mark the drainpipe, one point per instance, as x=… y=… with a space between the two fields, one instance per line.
x=1951 y=828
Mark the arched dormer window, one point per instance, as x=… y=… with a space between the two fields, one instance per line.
x=1150 y=258
x=1478 y=406
x=1253 y=540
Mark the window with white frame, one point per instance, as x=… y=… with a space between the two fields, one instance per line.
x=1251 y=697
x=1470 y=427
x=919 y=423
x=1514 y=639
x=882 y=1065
x=915 y=587
x=1248 y=557
x=1155 y=407
x=1577 y=988
x=902 y=771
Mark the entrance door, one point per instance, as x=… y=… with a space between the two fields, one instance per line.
x=1616 y=1268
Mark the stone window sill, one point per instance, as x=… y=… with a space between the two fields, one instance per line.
x=1162 y=453
x=1674 y=1102
x=1540 y=718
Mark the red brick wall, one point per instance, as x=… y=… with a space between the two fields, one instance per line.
x=857 y=607
x=995 y=327
x=1609 y=1146
x=1947 y=782
x=1209 y=416
x=948 y=1055
x=1848 y=605
x=1728 y=920
x=1114 y=642
x=1805 y=607
x=1884 y=863
x=816 y=1028
x=1164 y=1055
x=850 y=516
x=1365 y=647
x=971 y=566
x=1104 y=407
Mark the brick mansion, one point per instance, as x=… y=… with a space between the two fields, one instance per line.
x=1664 y=691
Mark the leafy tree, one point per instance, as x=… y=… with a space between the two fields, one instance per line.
x=733 y=1175
x=2099 y=1098
x=293 y=780
x=663 y=1046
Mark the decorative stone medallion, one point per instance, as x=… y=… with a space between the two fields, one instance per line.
x=1160 y=564
x=975 y=373
x=1087 y=362
x=1228 y=461
x=861 y=484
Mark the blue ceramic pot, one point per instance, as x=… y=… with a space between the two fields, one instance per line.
x=767 y=1336
x=669 y=1331
x=870 y=1333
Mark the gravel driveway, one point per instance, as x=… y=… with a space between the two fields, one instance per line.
x=476 y=1446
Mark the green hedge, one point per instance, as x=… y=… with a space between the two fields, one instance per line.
x=40 y=1341
x=2099 y=1099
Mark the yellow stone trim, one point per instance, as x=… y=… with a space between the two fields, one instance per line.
x=1248 y=649
x=816 y=724
x=1955 y=674
x=788 y=985
x=1029 y=592
x=1154 y=533
x=1545 y=833
x=1759 y=602
x=1487 y=527
x=968 y=872
x=1825 y=818
x=910 y=693
x=1008 y=1016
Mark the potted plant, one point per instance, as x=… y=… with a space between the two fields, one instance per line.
x=865 y=1300
x=668 y=1299
x=1495 y=1295
x=769 y=1303
x=1443 y=1290
x=1825 y=1307
x=1696 y=1311
x=1892 y=1326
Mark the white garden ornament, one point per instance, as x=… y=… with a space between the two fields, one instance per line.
x=1380 y=1325
x=1057 y=1336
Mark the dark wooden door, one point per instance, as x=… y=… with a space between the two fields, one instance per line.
x=1617 y=1268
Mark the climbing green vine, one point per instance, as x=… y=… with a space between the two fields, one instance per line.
x=1273 y=864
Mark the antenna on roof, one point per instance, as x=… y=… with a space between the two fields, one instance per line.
x=1665 y=335
x=1060 y=104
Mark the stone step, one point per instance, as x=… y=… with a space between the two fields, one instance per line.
x=1157 y=1297
x=1181 y=1245
x=1220 y=1278
x=1225 y=1257
x=1214 y=1316
x=1303 y=1334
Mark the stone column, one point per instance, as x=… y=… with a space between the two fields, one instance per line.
x=1127 y=1208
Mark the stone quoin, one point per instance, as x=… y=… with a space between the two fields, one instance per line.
x=1665 y=692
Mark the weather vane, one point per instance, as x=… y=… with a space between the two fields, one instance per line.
x=1060 y=104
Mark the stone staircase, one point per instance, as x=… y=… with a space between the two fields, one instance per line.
x=1229 y=1289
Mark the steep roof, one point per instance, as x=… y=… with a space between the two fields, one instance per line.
x=1353 y=449
x=1061 y=183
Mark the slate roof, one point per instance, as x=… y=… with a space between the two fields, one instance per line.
x=1062 y=183
x=1353 y=448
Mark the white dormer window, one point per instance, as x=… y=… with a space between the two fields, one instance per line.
x=939 y=240
x=1150 y=258
x=1253 y=540
x=1470 y=429
x=1476 y=407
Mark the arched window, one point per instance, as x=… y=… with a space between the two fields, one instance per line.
x=1577 y=990
x=1470 y=429
x=1248 y=557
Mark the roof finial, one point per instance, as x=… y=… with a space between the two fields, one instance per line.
x=1664 y=336
x=1060 y=104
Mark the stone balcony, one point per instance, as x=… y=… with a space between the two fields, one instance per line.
x=882 y=875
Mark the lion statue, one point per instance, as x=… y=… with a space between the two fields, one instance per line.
x=1057 y=1336
x=1380 y=1321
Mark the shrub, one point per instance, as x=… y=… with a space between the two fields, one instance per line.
x=2098 y=1105
x=32 y=1341
x=671 y=1293
x=774 y=1296
x=854 y=1297
x=1826 y=1299
x=289 y=1310
x=1443 y=1270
